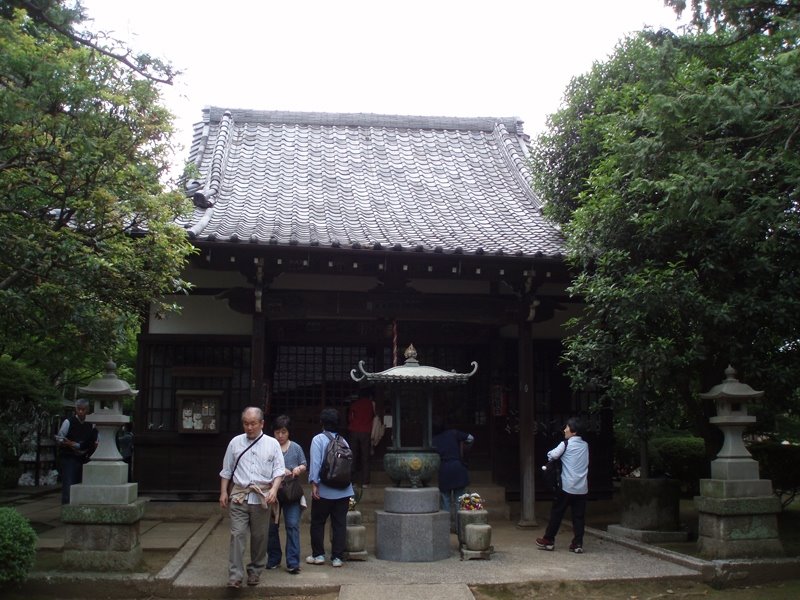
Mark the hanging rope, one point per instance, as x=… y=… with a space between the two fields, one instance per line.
x=394 y=343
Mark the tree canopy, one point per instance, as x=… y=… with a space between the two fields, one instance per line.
x=673 y=168
x=85 y=221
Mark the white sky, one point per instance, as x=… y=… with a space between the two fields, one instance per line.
x=497 y=58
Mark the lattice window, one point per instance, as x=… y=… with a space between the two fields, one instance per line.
x=311 y=376
x=197 y=366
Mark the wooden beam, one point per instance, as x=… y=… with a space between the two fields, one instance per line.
x=527 y=428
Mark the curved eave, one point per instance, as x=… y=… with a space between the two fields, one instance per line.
x=233 y=241
x=412 y=373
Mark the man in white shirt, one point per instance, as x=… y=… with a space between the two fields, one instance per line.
x=254 y=462
x=574 y=454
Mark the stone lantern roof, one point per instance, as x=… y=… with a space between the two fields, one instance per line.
x=731 y=388
x=109 y=384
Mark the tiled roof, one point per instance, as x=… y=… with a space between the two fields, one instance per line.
x=430 y=184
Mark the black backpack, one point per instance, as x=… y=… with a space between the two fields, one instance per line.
x=337 y=463
x=552 y=471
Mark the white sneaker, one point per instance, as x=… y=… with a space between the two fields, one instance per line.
x=315 y=560
x=336 y=562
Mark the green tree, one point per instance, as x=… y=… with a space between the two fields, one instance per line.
x=673 y=168
x=87 y=226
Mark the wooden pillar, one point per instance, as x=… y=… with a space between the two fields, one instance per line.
x=527 y=427
x=257 y=341
x=257 y=395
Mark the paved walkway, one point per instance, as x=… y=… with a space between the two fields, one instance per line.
x=198 y=533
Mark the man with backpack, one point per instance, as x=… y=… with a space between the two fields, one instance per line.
x=330 y=489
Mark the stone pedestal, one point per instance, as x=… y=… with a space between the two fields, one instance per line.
x=412 y=528
x=356 y=542
x=102 y=537
x=737 y=519
x=649 y=511
x=102 y=520
x=474 y=534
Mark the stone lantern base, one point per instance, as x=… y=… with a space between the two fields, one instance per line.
x=102 y=537
x=738 y=519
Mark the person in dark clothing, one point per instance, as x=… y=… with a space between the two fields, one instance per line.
x=76 y=439
x=326 y=501
x=451 y=444
x=125 y=447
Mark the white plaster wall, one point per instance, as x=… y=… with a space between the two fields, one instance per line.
x=201 y=315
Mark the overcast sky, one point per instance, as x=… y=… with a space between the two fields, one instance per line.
x=495 y=58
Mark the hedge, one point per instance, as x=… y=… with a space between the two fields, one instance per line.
x=17 y=547
x=780 y=463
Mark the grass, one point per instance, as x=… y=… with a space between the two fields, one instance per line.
x=636 y=590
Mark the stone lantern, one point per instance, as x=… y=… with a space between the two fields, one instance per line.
x=737 y=510
x=102 y=518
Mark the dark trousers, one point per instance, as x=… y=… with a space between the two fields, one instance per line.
x=71 y=473
x=361 y=445
x=577 y=505
x=321 y=509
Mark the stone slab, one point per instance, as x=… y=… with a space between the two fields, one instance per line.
x=734 y=468
x=412 y=537
x=712 y=548
x=357 y=555
x=411 y=500
x=649 y=536
x=122 y=513
x=102 y=561
x=467 y=554
x=738 y=506
x=738 y=527
x=404 y=591
x=735 y=488
x=83 y=493
x=112 y=538
x=105 y=473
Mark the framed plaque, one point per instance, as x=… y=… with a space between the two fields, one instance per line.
x=198 y=411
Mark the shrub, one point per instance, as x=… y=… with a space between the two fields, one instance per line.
x=17 y=547
x=682 y=458
x=781 y=464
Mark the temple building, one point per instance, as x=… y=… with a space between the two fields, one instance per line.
x=327 y=239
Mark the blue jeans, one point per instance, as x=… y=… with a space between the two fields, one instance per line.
x=450 y=497
x=291 y=520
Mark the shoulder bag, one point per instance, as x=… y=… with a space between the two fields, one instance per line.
x=290 y=490
x=236 y=464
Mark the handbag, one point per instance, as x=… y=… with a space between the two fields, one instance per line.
x=290 y=490
x=551 y=472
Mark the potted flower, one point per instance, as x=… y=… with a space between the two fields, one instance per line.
x=471 y=509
